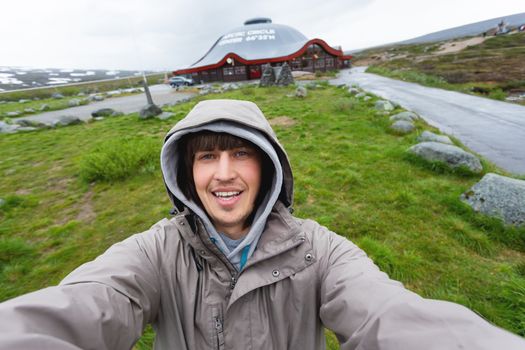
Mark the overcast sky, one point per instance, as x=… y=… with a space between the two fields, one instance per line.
x=170 y=34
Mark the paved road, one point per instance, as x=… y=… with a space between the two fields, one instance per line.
x=161 y=94
x=493 y=129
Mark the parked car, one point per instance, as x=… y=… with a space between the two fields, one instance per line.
x=179 y=81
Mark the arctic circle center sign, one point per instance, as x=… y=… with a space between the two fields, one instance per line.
x=249 y=35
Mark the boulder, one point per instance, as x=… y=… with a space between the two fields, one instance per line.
x=402 y=127
x=498 y=196
x=13 y=114
x=106 y=112
x=268 y=76
x=354 y=91
x=29 y=110
x=383 y=105
x=285 y=76
x=74 y=102
x=430 y=136
x=23 y=100
x=57 y=96
x=408 y=116
x=8 y=128
x=65 y=120
x=360 y=94
x=301 y=92
x=367 y=98
x=44 y=107
x=450 y=155
x=32 y=123
x=96 y=98
x=149 y=111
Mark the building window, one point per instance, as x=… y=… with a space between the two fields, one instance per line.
x=240 y=70
x=227 y=71
x=319 y=63
x=329 y=62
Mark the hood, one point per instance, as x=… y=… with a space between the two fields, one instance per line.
x=245 y=120
x=244 y=113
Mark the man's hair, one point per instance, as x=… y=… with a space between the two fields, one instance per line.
x=192 y=143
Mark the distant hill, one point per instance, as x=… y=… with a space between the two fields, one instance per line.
x=14 y=78
x=468 y=29
x=457 y=32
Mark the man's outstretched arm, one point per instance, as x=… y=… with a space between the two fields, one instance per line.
x=367 y=310
x=104 y=304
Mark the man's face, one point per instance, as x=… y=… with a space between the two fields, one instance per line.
x=227 y=183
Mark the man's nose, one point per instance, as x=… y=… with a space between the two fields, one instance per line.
x=225 y=169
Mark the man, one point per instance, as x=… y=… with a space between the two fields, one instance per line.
x=234 y=269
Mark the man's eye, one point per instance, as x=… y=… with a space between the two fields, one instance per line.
x=241 y=153
x=205 y=156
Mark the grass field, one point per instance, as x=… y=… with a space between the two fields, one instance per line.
x=493 y=68
x=72 y=192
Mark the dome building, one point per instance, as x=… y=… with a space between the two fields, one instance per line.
x=241 y=53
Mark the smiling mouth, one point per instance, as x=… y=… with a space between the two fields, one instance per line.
x=226 y=195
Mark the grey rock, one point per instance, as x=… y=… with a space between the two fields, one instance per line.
x=44 y=107
x=96 y=98
x=498 y=196
x=29 y=110
x=354 y=91
x=99 y=118
x=367 y=98
x=65 y=120
x=74 y=102
x=285 y=76
x=13 y=114
x=383 y=105
x=32 y=123
x=8 y=128
x=149 y=111
x=81 y=94
x=360 y=95
x=430 y=136
x=451 y=155
x=165 y=115
x=402 y=127
x=268 y=76
x=301 y=92
x=408 y=116
x=106 y=112
x=57 y=96
x=23 y=100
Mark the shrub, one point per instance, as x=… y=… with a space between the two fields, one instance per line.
x=498 y=94
x=119 y=159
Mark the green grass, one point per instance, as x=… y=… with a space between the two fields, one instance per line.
x=493 y=69
x=351 y=175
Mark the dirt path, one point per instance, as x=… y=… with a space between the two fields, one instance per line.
x=456 y=46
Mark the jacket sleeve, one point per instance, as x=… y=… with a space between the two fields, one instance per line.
x=367 y=310
x=104 y=304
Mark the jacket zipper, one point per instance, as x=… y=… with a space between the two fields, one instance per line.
x=219 y=331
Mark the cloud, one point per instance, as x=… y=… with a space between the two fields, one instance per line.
x=168 y=34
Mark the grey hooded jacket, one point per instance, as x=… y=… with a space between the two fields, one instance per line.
x=300 y=278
